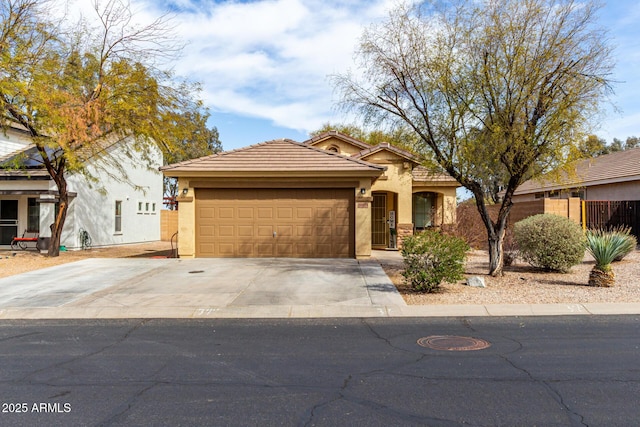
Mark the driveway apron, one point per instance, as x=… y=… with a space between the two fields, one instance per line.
x=213 y=287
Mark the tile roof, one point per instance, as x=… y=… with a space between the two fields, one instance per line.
x=282 y=155
x=621 y=166
x=423 y=174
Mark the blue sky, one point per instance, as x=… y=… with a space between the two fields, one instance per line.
x=264 y=64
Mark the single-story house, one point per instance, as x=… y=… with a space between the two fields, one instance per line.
x=614 y=176
x=332 y=196
x=111 y=211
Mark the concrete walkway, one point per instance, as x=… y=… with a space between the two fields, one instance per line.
x=234 y=288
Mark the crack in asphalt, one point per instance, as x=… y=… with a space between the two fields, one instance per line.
x=467 y=324
x=575 y=418
x=83 y=356
x=343 y=392
x=122 y=410
x=19 y=336
x=126 y=407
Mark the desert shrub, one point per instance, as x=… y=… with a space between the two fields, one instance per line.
x=432 y=257
x=629 y=241
x=550 y=242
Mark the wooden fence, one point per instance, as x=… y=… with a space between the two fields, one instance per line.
x=168 y=224
x=609 y=213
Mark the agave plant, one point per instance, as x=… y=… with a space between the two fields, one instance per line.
x=630 y=241
x=605 y=247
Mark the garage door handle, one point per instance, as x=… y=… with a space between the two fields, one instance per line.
x=274 y=234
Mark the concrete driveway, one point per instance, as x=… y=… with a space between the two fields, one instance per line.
x=184 y=288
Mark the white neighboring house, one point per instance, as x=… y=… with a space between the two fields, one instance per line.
x=110 y=211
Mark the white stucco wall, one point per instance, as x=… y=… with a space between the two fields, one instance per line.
x=12 y=140
x=94 y=208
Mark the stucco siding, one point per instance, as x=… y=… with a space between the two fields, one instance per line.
x=618 y=191
x=94 y=207
x=397 y=179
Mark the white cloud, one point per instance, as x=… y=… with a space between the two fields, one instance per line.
x=271 y=58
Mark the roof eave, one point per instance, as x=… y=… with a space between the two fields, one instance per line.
x=271 y=174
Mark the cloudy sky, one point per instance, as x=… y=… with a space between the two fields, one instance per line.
x=264 y=63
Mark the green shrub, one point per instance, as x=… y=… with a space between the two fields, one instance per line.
x=551 y=242
x=431 y=258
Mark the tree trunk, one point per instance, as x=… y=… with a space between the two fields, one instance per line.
x=496 y=254
x=58 y=225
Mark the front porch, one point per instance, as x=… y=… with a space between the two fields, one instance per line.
x=31 y=211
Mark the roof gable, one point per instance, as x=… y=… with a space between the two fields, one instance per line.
x=385 y=146
x=620 y=166
x=359 y=145
x=276 y=156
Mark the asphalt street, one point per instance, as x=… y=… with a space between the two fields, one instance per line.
x=536 y=371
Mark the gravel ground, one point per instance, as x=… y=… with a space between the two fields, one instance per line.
x=522 y=284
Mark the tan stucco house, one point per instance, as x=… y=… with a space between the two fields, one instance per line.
x=332 y=196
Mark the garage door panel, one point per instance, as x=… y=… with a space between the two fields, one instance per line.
x=324 y=214
x=304 y=230
x=305 y=250
x=244 y=248
x=284 y=250
x=208 y=213
x=207 y=231
x=265 y=213
x=243 y=231
x=226 y=231
x=341 y=229
x=265 y=249
x=264 y=231
x=324 y=230
x=225 y=249
x=245 y=213
x=341 y=251
x=325 y=250
x=285 y=213
x=225 y=213
x=306 y=222
x=283 y=231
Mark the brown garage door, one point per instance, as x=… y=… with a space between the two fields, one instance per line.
x=297 y=223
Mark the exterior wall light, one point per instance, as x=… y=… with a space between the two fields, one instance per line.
x=185 y=191
x=363 y=191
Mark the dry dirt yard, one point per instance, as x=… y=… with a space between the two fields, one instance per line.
x=16 y=262
x=522 y=284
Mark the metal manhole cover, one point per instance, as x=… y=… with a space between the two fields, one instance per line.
x=453 y=343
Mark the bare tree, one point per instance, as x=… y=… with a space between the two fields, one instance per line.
x=79 y=89
x=497 y=91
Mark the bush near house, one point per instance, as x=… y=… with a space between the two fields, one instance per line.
x=432 y=257
x=550 y=242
